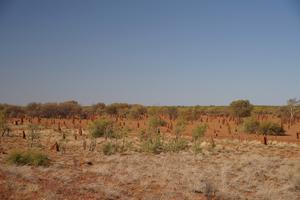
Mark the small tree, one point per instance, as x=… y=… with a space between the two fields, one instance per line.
x=292 y=104
x=241 y=108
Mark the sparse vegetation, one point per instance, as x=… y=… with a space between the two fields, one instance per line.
x=188 y=139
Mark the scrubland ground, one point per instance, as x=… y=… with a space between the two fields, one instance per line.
x=230 y=169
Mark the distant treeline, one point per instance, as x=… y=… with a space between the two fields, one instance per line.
x=71 y=109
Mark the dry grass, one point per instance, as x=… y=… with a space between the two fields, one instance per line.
x=230 y=170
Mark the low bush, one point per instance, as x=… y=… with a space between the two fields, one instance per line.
x=271 y=128
x=28 y=158
x=251 y=125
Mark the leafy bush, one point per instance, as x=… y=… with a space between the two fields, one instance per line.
x=271 y=128
x=28 y=158
x=101 y=128
x=251 y=125
x=265 y=128
x=199 y=131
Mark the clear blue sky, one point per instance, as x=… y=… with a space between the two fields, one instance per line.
x=152 y=52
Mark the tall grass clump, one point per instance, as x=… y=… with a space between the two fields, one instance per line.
x=28 y=157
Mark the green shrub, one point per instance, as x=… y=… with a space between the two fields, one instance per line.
x=265 y=128
x=199 y=132
x=28 y=158
x=101 y=128
x=251 y=125
x=153 y=145
x=271 y=128
x=176 y=145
